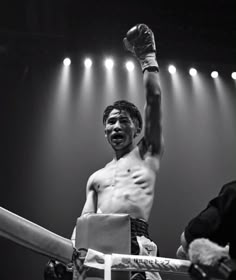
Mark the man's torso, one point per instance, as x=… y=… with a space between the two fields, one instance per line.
x=127 y=185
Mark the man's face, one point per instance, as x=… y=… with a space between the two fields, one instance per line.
x=120 y=129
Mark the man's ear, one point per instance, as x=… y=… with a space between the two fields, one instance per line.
x=137 y=128
x=137 y=132
x=105 y=132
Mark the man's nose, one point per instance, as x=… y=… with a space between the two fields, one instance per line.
x=117 y=126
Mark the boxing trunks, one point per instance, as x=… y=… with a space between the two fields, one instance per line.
x=141 y=244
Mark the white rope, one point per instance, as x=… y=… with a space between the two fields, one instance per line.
x=122 y=262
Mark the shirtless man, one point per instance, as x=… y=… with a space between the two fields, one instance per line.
x=126 y=184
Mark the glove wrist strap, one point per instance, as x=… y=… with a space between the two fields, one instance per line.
x=149 y=62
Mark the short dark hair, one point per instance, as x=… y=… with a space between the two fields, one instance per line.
x=123 y=105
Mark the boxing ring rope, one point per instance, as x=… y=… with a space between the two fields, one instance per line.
x=47 y=243
x=35 y=237
x=122 y=262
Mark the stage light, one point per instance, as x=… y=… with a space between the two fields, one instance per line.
x=88 y=62
x=214 y=74
x=233 y=75
x=67 y=62
x=192 y=72
x=109 y=63
x=171 y=69
x=129 y=66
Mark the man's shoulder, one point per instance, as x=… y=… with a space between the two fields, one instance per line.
x=229 y=187
x=228 y=194
x=95 y=176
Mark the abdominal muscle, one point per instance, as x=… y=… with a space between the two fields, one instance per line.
x=136 y=207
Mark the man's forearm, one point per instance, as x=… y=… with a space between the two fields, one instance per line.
x=152 y=85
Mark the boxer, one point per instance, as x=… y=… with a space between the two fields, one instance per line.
x=127 y=183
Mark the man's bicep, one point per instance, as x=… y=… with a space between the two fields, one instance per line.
x=90 y=205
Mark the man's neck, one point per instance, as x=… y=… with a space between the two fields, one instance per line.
x=120 y=153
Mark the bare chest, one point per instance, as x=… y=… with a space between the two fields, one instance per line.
x=124 y=173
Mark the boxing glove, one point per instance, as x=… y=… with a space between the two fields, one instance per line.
x=55 y=270
x=140 y=41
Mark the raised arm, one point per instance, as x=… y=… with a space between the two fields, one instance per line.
x=140 y=41
x=152 y=113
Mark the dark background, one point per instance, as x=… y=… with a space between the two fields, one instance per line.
x=52 y=136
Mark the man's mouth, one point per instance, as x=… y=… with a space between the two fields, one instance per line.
x=118 y=137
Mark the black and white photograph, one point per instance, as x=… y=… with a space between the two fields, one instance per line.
x=118 y=143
